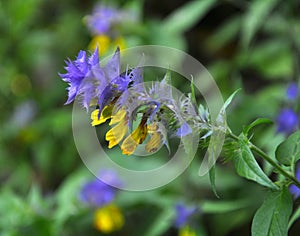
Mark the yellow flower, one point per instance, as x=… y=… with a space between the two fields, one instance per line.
x=116 y=118
x=108 y=219
x=119 y=42
x=187 y=231
x=137 y=137
x=117 y=133
x=105 y=43
x=105 y=115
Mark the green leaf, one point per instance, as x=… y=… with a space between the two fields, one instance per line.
x=212 y=179
x=162 y=222
x=161 y=36
x=213 y=151
x=66 y=198
x=273 y=216
x=247 y=166
x=186 y=16
x=16 y=211
x=217 y=207
x=272 y=58
x=167 y=78
x=255 y=123
x=255 y=18
x=288 y=152
x=34 y=197
x=189 y=144
x=221 y=117
x=193 y=96
x=229 y=100
x=294 y=217
x=227 y=32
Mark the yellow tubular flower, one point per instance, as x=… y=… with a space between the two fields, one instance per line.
x=187 y=231
x=155 y=140
x=105 y=115
x=119 y=42
x=117 y=133
x=108 y=219
x=116 y=118
x=103 y=41
x=106 y=43
x=137 y=137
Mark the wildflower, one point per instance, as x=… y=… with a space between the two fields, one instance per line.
x=77 y=71
x=94 y=83
x=104 y=116
x=107 y=43
x=287 y=121
x=105 y=19
x=160 y=112
x=103 y=40
x=184 y=215
x=155 y=140
x=116 y=83
x=102 y=19
x=187 y=231
x=137 y=137
x=115 y=135
x=293 y=188
x=184 y=219
x=122 y=98
x=292 y=91
x=108 y=219
x=96 y=193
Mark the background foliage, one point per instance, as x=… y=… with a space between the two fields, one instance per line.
x=253 y=45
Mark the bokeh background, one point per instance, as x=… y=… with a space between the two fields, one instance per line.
x=253 y=45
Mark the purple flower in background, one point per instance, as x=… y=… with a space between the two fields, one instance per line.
x=102 y=18
x=287 y=121
x=96 y=193
x=184 y=214
x=295 y=191
x=292 y=91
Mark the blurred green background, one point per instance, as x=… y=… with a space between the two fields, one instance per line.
x=253 y=45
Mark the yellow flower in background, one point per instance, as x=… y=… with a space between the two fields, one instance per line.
x=103 y=41
x=106 y=43
x=119 y=42
x=186 y=231
x=108 y=219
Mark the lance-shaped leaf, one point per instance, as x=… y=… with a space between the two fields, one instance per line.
x=221 y=119
x=247 y=166
x=273 y=216
x=288 y=152
x=294 y=217
x=212 y=179
x=186 y=16
x=255 y=123
x=255 y=18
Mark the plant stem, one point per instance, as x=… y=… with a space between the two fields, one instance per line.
x=262 y=154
